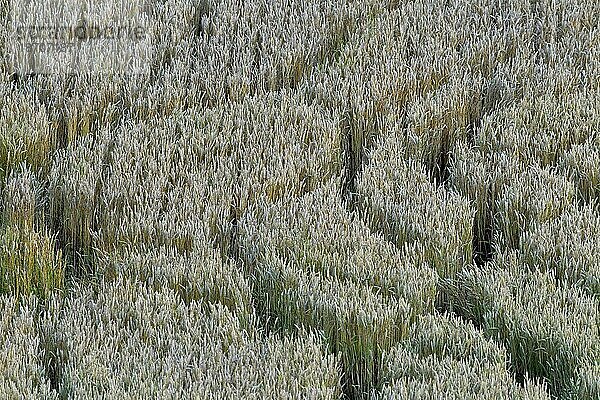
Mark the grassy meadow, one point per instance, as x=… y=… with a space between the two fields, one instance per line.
x=316 y=199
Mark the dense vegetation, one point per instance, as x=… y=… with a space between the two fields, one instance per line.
x=310 y=199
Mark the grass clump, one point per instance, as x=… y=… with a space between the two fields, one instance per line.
x=318 y=234
x=481 y=177
x=200 y=275
x=29 y=259
x=586 y=384
x=22 y=360
x=125 y=340
x=25 y=135
x=223 y=52
x=549 y=330
x=582 y=165
x=541 y=128
x=316 y=265
x=567 y=246
x=159 y=183
x=440 y=119
x=534 y=196
x=23 y=200
x=358 y=323
x=29 y=263
x=447 y=358
x=264 y=131
x=398 y=199
x=73 y=189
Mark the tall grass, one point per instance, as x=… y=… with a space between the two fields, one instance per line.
x=542 y=127
x=582 y=165
x=549 y=330
x=567 y=246
x=25 y=134
x=318 y=234
x=358 y=323
x=313 y=264
x=447 y=358
x=536 y=195
x=29 y=259
x=29 y=263
x=22 y=368
x=123 y=339
x=276 y=208
x=481 y=178
x=201 y=275
x=397 y=198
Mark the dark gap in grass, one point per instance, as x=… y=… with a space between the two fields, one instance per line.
x=202 y=10
x=483 y=250
x=106 y=162
x=257 y=51
x=51 y=362
x=472 y=128
x=170 y=185
x=52 y=368
x=233 y=250
x=349 y=168
x=440 y=172
x=519 y=377
x=61 y=130
x=333 y=49
x=348 y=388
x=16 y=79
x=393 y=5
x=159 y=64
x=359 y=135
x=77 y=254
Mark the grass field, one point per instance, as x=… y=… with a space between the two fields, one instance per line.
x=362 y=199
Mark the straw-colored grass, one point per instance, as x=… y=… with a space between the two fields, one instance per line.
x=536 y=195
x=568 y=246
x=282 y=203
x=316 y=265
x=29 y=263
x=397 y=198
